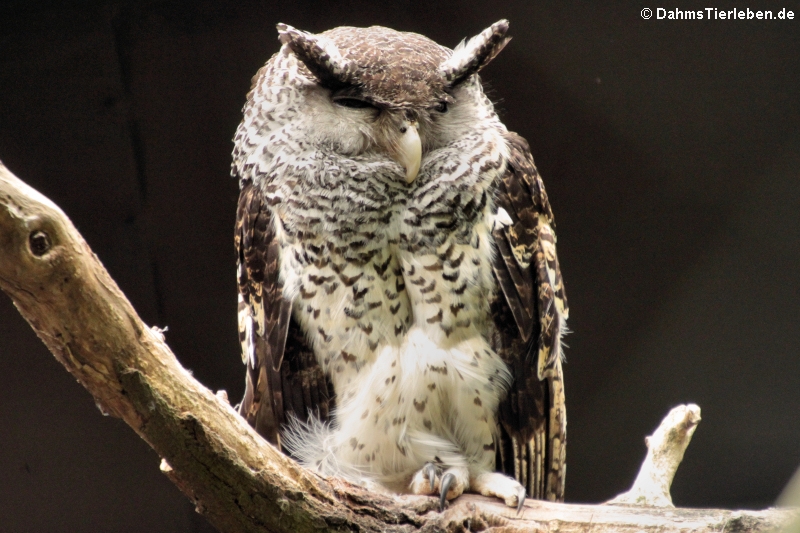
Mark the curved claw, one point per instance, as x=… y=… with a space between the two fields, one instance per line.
x=521 y=498
x=447 y=480
x=430 y=470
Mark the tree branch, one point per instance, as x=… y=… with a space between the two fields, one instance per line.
x=238 y=481
x=665 y=449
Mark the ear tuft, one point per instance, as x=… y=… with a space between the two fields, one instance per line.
x=318 y=53
x=471 y=56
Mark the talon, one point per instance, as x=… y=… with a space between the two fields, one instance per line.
x=521 y=499
x=447 y=480
x=430 y=470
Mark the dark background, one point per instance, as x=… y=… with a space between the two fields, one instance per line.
x=670 y=151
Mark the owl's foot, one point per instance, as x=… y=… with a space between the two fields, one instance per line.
x=430 y=480
x=500 y=486
x=426 y=480
x=454 y=482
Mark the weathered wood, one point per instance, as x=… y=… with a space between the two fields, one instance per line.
x=237 y=480
x=665 y=449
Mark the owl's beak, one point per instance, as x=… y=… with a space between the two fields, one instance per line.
x=409 y=150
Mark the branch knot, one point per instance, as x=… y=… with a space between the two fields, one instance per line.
x=39 y=242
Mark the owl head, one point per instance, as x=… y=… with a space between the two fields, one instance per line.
x=377 y=90
x=391 y=90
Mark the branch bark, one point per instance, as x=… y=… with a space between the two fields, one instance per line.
x=238 y=481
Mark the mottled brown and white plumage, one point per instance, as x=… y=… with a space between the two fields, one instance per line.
x=400 y=295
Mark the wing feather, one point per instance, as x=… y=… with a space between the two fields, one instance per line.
x=529 y=314
x=283 y=378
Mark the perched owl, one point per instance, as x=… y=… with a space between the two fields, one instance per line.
x=400 y=301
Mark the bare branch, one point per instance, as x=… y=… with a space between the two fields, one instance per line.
x=237 y=480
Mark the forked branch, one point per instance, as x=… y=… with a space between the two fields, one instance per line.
x=237 y=481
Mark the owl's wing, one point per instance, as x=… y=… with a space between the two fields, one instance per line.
x=529 y=314
x=283 y=377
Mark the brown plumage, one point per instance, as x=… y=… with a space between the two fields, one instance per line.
x=533 y=415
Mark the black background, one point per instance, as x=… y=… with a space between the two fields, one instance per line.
x=670 y=151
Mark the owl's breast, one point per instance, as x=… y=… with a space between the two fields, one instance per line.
x=366 y=256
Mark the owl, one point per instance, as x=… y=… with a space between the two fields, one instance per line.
x=401 y=305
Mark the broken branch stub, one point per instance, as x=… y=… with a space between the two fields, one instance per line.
x=665 y=449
